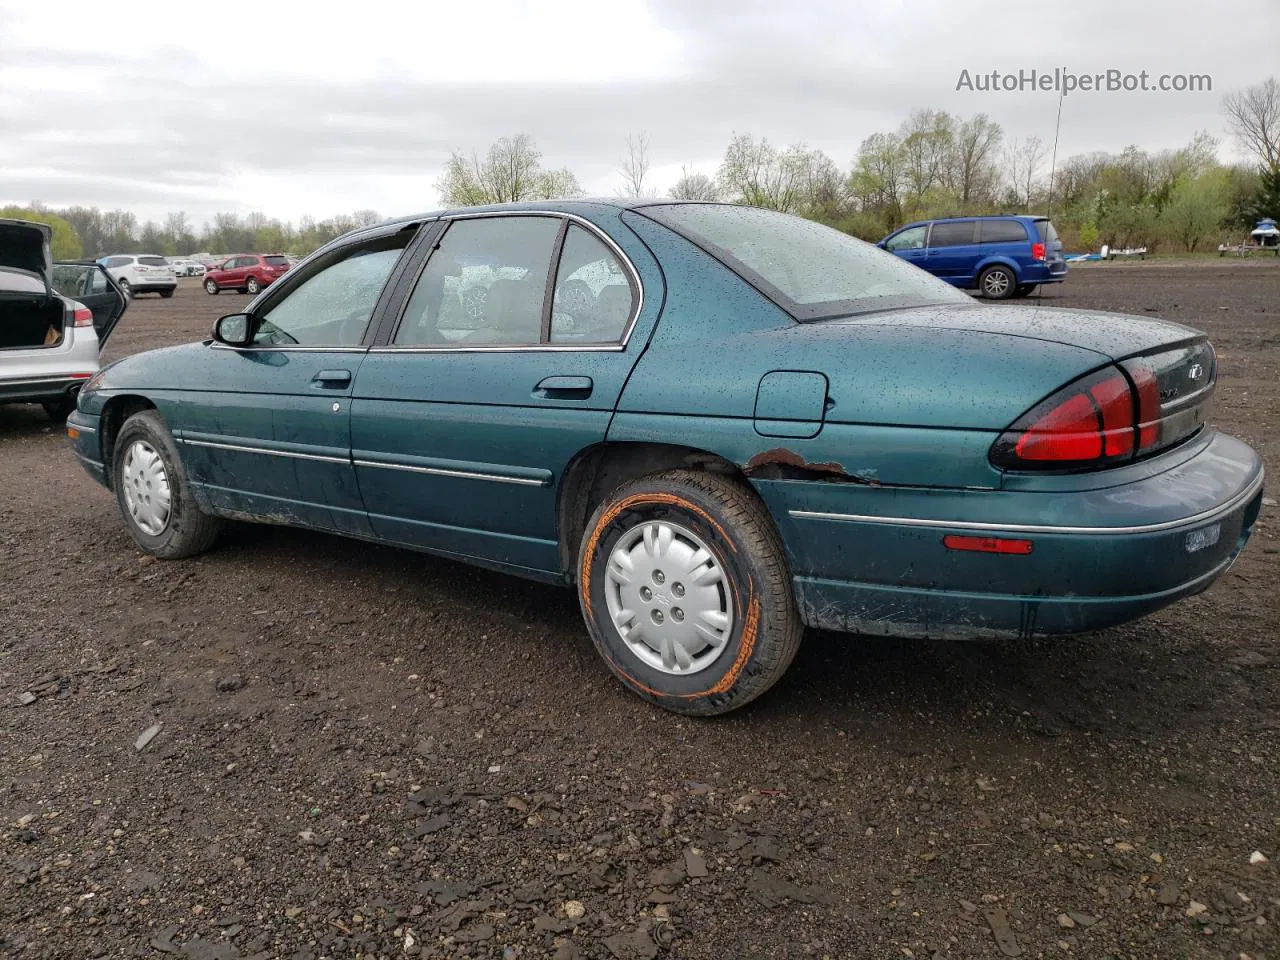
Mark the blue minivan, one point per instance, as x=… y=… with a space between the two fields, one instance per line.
x=1000 y=257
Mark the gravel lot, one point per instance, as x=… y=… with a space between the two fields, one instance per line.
x=364 y=752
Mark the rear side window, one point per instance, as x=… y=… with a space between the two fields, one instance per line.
x=153 y=261
x=1046 y=231
x=118 y=261
x=1003 y=231
x=948 y=234
x=485 y=283
x=276 y=261
x=592 y=299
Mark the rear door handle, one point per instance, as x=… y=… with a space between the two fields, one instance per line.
x=332 y=379
x=564 y=388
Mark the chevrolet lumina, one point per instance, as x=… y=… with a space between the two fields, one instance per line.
x=719 y=424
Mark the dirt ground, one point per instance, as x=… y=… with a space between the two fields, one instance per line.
x=364 y=752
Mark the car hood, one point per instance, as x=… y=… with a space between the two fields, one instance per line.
x=26 y=246
x=1112 y=335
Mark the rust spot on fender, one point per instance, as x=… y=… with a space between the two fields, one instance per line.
x=784 y=463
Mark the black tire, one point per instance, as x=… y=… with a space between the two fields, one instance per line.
x=166 y=294
x=1024 y=289
x=211 y=287
x=997 y=282
x=59 y=410
x=734 y=525
x=253 y=288
x=126 y=288
x=189 y=530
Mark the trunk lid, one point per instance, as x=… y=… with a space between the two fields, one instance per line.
x=26 y=246
x=1110 y=335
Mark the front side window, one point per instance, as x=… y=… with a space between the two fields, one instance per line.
x=811 y=271
x=948 y=234
x=910 y=239
x=484 y=284
x=332 y=306
x=592 y=300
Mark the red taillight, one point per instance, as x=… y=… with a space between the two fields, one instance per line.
x=1019 y=548
x=1037 y=251
x=1144 y=378
x=1090 y=421
x=83 y=317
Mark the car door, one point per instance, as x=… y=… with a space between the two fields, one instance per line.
x=233 y=276
x=92 y=285
x=267 y=432
x=505 y=359
x=953 y=249
x=909 y=244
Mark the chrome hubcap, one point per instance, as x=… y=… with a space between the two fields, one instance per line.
x=668 y=598
x=997 y=283
x=145 y=483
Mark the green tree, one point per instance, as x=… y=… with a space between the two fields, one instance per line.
x=1196 y=209
x=1266 y=202
x=65 y=243
x=510 y=171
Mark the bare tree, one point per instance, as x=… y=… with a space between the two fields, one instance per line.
x=1022 y=162
x=694 y=186
x=635 y=165
x=973 y=175
x=1254 y=117
x=926 y=137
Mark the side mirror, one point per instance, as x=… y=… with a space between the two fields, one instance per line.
x=235 y=330
x=883 y=245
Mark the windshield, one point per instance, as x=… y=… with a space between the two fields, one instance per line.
x=811 y=271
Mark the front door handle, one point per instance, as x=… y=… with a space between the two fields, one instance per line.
x=332 y=379
x=564 y=388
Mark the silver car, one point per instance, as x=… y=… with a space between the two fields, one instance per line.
x=54 y=319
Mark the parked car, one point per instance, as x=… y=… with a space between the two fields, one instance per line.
x=141 y=273
x=183 y=267
x=1000 y=257
x=54 y=319
x=719 y=424
x=246 y=273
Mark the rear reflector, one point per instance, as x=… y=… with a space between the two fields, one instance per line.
x=1018 y=548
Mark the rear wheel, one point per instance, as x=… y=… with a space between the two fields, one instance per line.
x=1024 y=289
x=253 y=288
x=211 y=288
x=167 y=293
x=685 y=590
x=997 y=283
x=59 y=410
x=153 y=493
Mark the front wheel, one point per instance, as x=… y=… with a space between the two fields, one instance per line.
x=126 y=288
x=211 y=288
x=253 y=287
x=685 y=590
x=997 y=283
x=153 y=493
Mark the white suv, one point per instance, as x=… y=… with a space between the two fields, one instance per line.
x=141 y=273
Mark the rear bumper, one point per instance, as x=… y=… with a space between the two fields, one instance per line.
x=154 y=286
x=40 y=389
x=1044 y=273
x=1099 y=557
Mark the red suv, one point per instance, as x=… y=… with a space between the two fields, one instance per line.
x=246 y=273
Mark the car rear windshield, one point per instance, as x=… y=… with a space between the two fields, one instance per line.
x=811 y=271
x=1046 y=231
x=153 y=261
x=277 y=261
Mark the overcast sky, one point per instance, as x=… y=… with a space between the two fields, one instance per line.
x=279 y=108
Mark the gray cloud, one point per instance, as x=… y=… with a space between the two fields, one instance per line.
x=164 y=131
